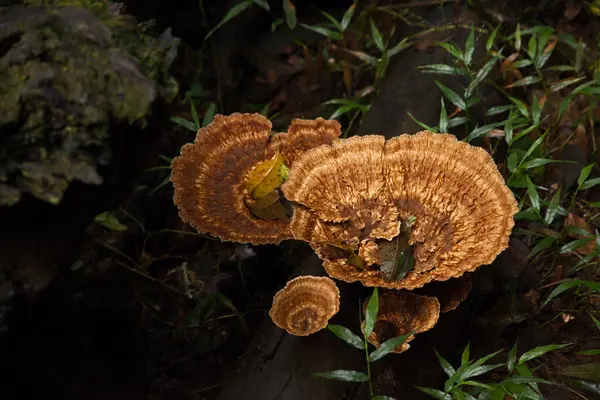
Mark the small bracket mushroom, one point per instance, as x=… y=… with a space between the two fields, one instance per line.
x=400 y=313
x=305 y=305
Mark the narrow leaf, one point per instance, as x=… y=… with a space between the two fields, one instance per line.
x=448 y=368
x=322 y=31
x=346 y=335
x=452 y=49
x=595 y=321
x=452 y=96
x=343 y=375
x=518 y=38
x=364 y=57
x=421 y=124
x=539 y=351
x=536 y=162
x=443 y=118
x=583 y=175
x=553 y=208
x=466 y=354
x=491 y=39
x=347 y=17
x=529 y=80
x=481 y=75
x=574 y=245
x=232 y=13
x=498 y=110
x=332 y=19
x=541 y=246
x=290 y=13
x=533 y=194
x=590 y=183
x=376 y=35
x=508 y=132
x=590 y=371
x=526 y=379
x=436 y=394
x=483 y=130
x=469 y=47
x=532 y=47
x=534 y=146
x=189 y=125
x=521 y=106
x=209 y=114
x=443 y=69
x=264 y=4
x=388 y=346
x=371 y=314
x=555 y=87
x=398 y=47
x=512 y=357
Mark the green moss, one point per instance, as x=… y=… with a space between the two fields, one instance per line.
x=74 y=68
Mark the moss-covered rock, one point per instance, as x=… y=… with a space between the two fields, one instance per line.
x=69 y=71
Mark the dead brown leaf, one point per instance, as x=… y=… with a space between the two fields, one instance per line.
x=348 y=78
x=508 y=63
x=496 y=133
x=559 y=273
x=575 y=221
x=425 y=44
x=550 y=46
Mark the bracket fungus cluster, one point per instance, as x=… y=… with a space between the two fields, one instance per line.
x=226 y=183
x=396 y=214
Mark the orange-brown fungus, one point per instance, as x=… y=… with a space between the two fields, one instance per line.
x=211 y=176
x=400 y=313
x=450 y=293
x=355 y=193
x=305 y=305
x=305 y=134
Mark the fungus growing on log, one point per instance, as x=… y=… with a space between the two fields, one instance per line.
x=227 y=181
x=305 y=305
x=401 y=213
x=400 y=313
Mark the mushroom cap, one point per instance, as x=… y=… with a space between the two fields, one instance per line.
x=357 y=190
x=305 y=134
x=210 y=174
x=464 y=210
x=450 y=293
x=343 y=185
x=305 y=305
x=402 y=312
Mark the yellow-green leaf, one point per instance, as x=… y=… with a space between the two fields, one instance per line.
x=267 y=176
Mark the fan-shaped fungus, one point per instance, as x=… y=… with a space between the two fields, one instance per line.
x=450 y=293
x=401 y=213
x=226 y=182
x=400 y=313
x=305 y=305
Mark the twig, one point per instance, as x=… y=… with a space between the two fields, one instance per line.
x=150 y=278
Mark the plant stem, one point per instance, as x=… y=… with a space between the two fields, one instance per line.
x=366 y=343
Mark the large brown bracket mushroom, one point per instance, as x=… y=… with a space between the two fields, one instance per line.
x=356 y=193
x=227 y=181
